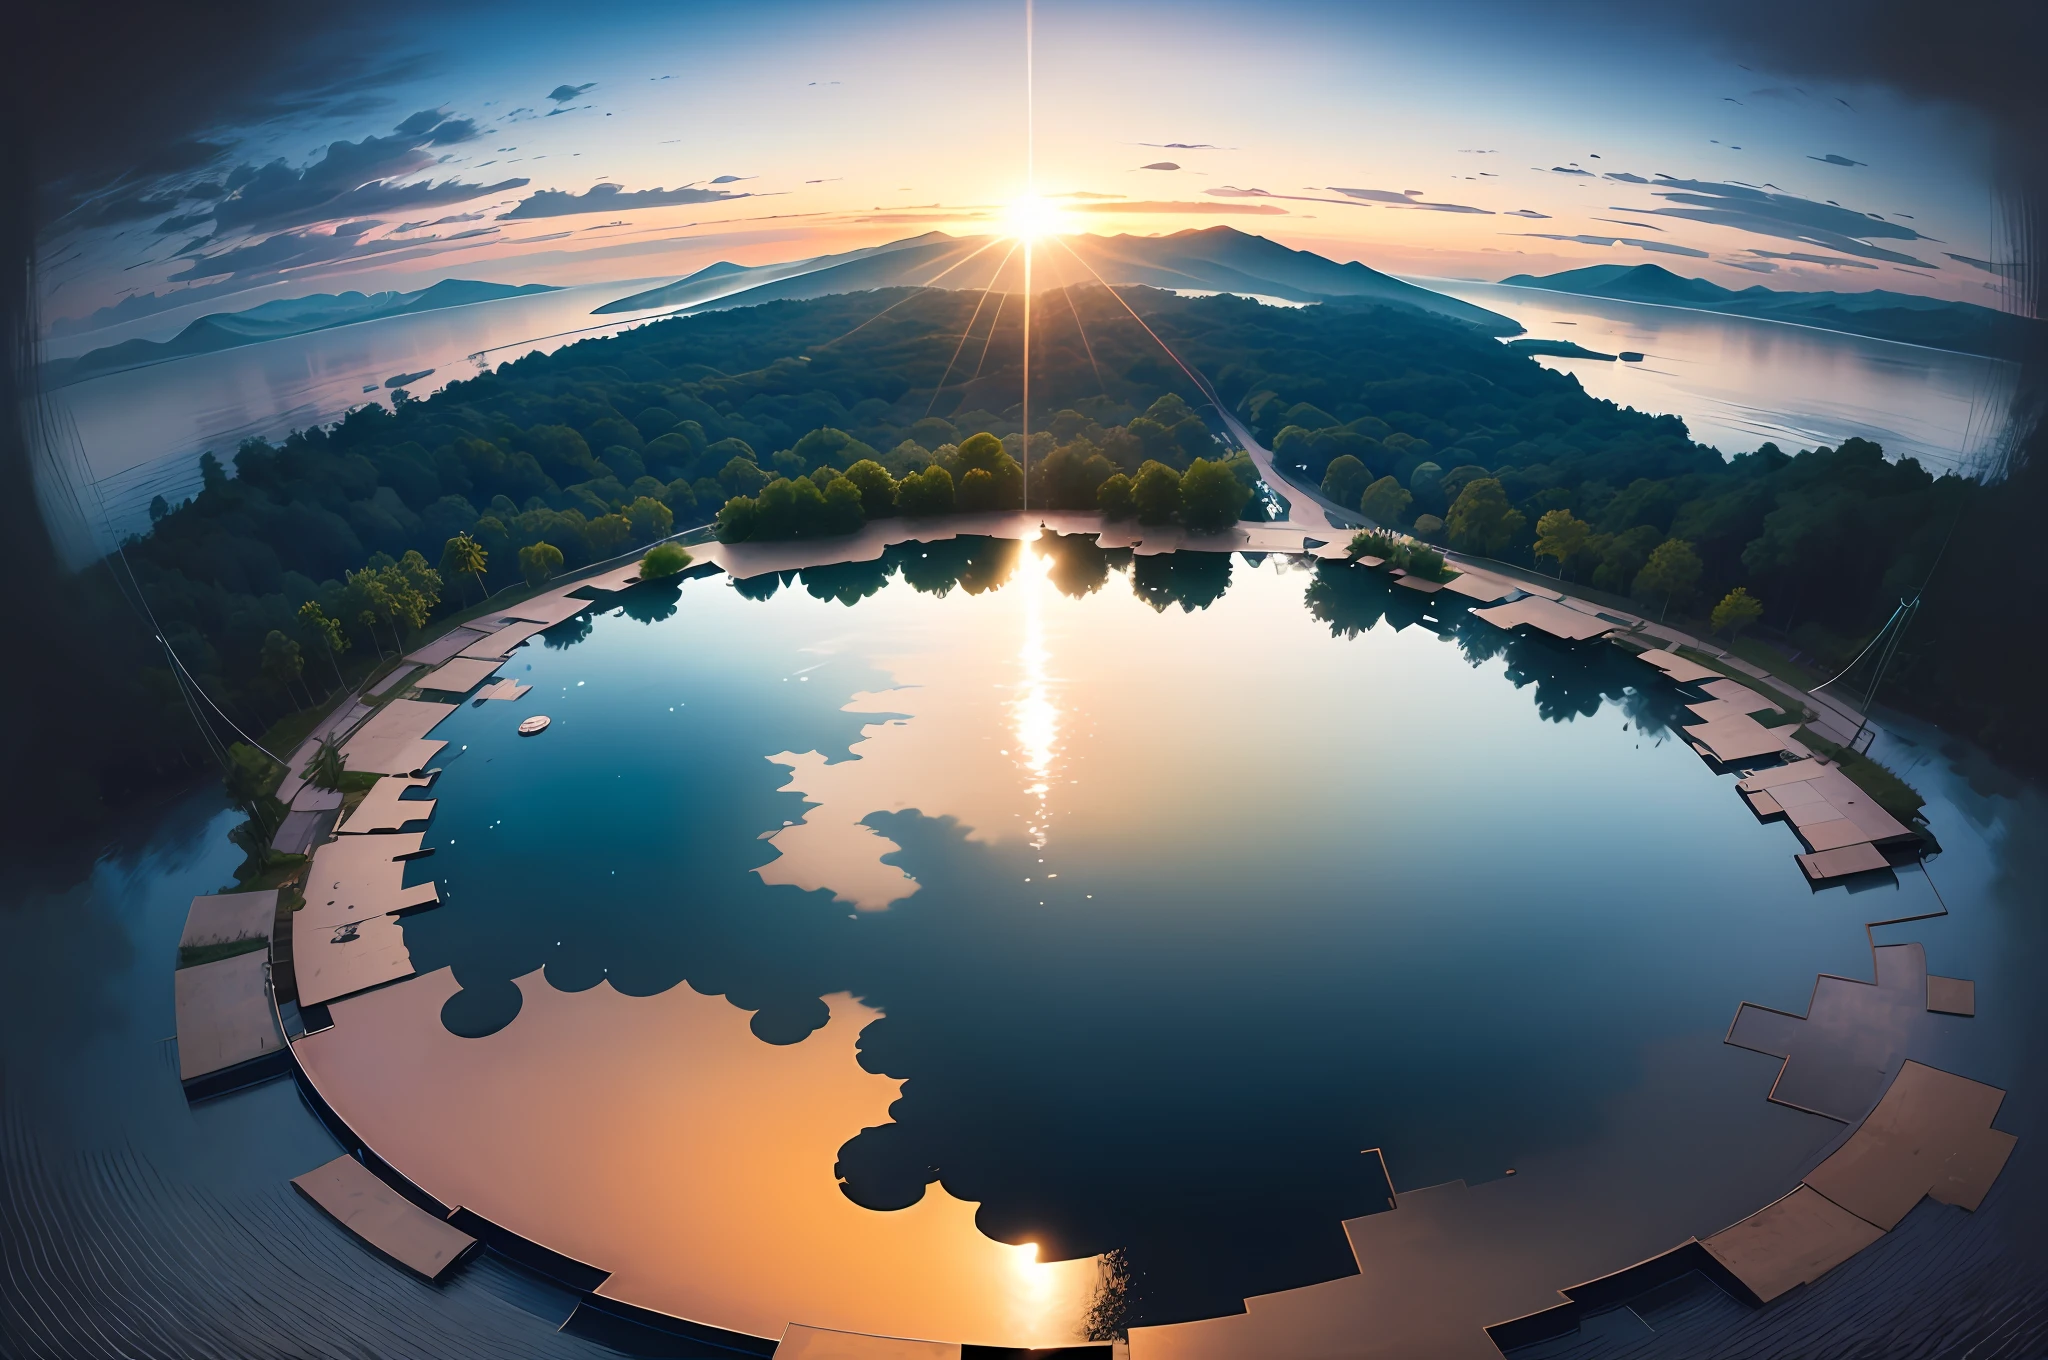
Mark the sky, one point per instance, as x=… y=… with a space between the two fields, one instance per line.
x=575 y=144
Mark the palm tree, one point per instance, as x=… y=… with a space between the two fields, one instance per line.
x=325 y=769
x=464 y=556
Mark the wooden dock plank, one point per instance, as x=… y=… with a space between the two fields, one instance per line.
x=355 y=1198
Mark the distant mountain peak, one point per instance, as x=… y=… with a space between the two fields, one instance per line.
x=1196 y=259
x=1908 y=318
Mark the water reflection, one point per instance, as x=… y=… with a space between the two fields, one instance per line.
x=1251 y=955
x=1036 y=721
x=1189 y=579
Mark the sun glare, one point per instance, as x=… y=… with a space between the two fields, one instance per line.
x=1031 y=217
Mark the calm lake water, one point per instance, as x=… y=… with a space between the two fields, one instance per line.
x=850 y=931
x=1163 y=890
x=1737 y=382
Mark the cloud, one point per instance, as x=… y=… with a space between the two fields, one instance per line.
x=348 y=179
x=1160 y=165
x=1569 y=170
x=1405 y=199
x=1640 y=226
x=1658 y=247
x=1183 y=146
x=1755 y=266
x=1625 y=177
x=1260 y=209
x=1784 y=216
x=1832 y=159
x=733 y=179
x=613 y=198
x=2010 y=271
x=301 y=249
x=440 y=221
x=1232 y=191
x=1832 y=261
x=1530 y=213
x=562 y=94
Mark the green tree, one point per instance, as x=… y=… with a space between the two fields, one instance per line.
x=1481 y=520
x=929 y=492
x=977 y=490
x=324 y=633
x=741 y=477
x=1374 y=543
x=369 y=593
x=985 y=453
x=1672 y=572
x=251 y=779
x=1346 y=479
x=649 y=519
x=877 y=488
x=1386 y=501
x=282 y=663
x=464 y=556
x=607 y=534
x=842 y=510
x=538 y=561
x=325 y=769
x=411 y=588
x=1621 y=556
x=663 y=559
x=1561 y=535
x=737 y=518
x=1156 y=493
x=1211 y=496
x=1114 y=498
x=1738 y=610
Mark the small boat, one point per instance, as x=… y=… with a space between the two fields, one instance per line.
x=537 y=723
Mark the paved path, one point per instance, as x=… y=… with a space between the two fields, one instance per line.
x=1304 y=509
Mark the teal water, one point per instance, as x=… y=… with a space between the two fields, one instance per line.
x=1224 y=872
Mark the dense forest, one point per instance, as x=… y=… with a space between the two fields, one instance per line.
x=809 y=417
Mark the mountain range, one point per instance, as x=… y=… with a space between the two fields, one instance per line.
x=1212 y=260
x=277 y=320
x=1877 y=313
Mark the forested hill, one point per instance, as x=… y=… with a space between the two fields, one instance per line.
x=610 y=442
x=1878 y=313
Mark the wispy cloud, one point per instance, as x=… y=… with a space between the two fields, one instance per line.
x=1798 y=257
x=614 y=198
x=1784 y=216
x=1407 y=198
x=1657 y=247
x=1154 y=206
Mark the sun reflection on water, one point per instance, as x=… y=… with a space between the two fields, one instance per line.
x=1035 y=719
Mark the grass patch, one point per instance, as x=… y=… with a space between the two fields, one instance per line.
x=289 y=732
x=192 y=955
x=358 y=781
x=1765 y=657
x=281 y=870
x=1892 y=793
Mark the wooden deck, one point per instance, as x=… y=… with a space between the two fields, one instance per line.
x=358 y=1200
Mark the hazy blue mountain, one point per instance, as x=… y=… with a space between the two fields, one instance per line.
x=714 y=281
x=1878 y=313
x=1217 y=259
x=278 y=319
